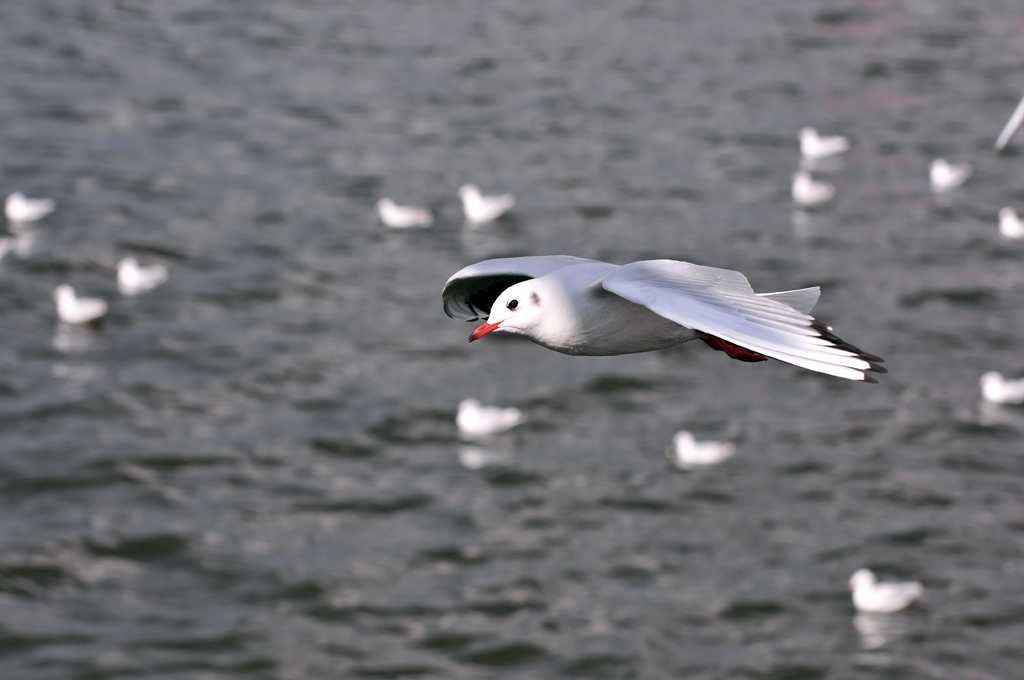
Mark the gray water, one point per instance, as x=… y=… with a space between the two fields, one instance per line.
x=253 y=471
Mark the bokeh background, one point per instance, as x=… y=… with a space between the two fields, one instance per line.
x=253 y=471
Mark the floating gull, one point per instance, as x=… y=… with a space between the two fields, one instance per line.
x=1011 y=127
x=687 y=452
x=1010 y=224
x=806 y=191
x=403 y=216
x=75 y=310
x=813 y=145
x=871 y=596
x=996 y=389
x=945 y=175
x=585 y=307
x=20 y=209
x=480 y=208
x=475 y=420
x=134 y=278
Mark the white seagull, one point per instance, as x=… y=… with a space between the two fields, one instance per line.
x=134 y=278
x=584 y=307
x=945 y=175
x=813 y=145
x=996 y=389
x=480 y=208
x=75 y=310
x=1011 y=126
x=20 y=209
x=871 y=596
x=806 y=191
x=403 y=216
x=475 y=420
x=687 y=452
x=1010 y=224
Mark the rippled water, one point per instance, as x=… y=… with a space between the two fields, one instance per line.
x=253 y=471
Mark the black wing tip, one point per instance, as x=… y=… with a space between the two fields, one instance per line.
x=868 y=379
x=825 y=332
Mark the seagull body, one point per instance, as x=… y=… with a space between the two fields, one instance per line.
x=813 y=145
x=134 y=278
x=945 y=175
x=475 y=420
x=75 y=310
x=996 y=389
x=403 y=216
x=20 y=209
x=1010 y=224
x=871 y=596
x=687 y=452
x=480 y=208
x=806 y=191
x=585 y=307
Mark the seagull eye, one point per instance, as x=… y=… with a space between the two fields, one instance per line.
x=512 y=304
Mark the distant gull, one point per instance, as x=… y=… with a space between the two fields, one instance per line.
x=78 y=310
x=687 y=452
x=1011 y=127
x=1010 y=224
x=475 y=420
x=813 y=145
x=806 y=191
x=403 y=216
x=871 y=596
x=584 y=307
x=480 y=208
x=996 y=389
x=945 y=175
x=134 y=278
x=20 y=209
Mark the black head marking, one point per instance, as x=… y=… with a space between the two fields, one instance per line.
x=535 y=298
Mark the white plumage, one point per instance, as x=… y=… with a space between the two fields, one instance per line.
x=476 y=420
x=807 y=191
x=20 y=209
x=403 y=216
x=945 y=175
x=996 y=389
x=480 y=208
x=813 y=145
x=871 y=596
x=1010 y=224
x=585 y=307
x=78 y=310
x=687 y=452
x=134 y=278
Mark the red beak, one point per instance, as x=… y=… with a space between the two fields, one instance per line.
x=483 y=330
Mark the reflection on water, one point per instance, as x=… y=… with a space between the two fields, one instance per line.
x=478 y=457
x=990 y=414
x=75 y=338
x=878 y=630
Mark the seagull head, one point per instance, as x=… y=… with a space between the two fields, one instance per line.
x=862 y=578
x=467 y=190
x=63 y=292
x=517 y=310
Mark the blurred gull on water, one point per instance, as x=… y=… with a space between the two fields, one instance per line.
x=944 y=175
x=403 y=216
x=480 y=208
x=686 y=452
x=475 y=420
x=813 y=145
x=19 y=209
x=134 y=278
x=871 y=596
x=806 y=191
x=78 y=310
x=996 y=389
x=1010 y=224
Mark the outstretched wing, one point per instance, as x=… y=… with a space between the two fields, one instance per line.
x=470 y=292
x=721 y=303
